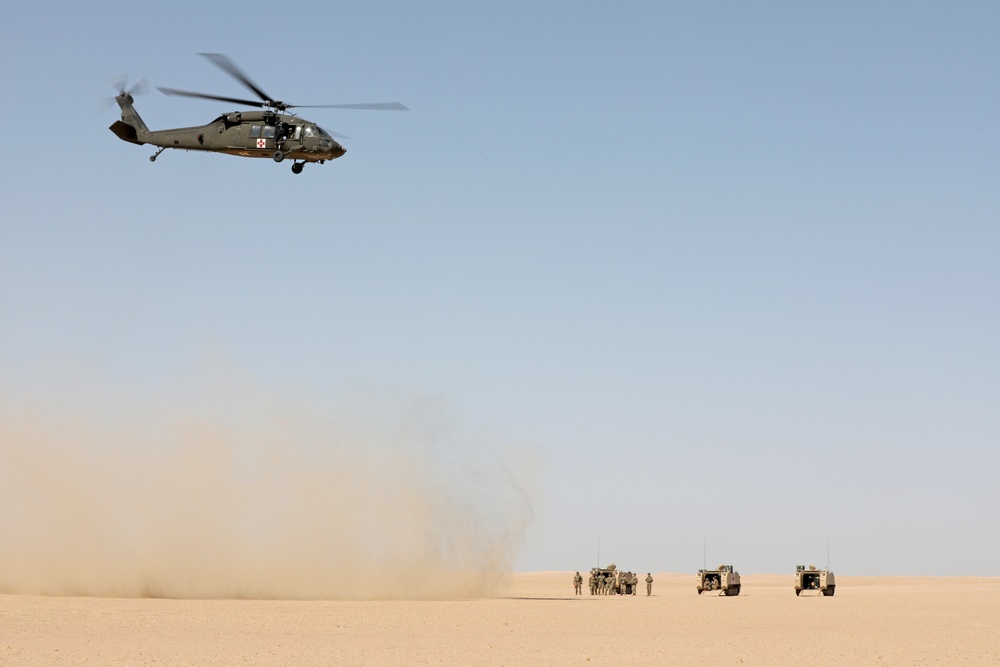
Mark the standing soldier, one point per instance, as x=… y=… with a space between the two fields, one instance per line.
x=593 y=583
x=578 y=584
x=649 y=584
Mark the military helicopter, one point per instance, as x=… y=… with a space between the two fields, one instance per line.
x=267 y=133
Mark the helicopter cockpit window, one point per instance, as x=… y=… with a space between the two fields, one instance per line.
x=255 y=131
x=295 y=132
x=269 y=131
x=310 y=131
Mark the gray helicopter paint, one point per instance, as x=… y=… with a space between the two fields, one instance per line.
x=268 y=133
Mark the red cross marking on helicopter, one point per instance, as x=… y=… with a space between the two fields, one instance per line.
x=261 y=143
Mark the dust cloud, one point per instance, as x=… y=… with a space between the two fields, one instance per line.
x=221 y=491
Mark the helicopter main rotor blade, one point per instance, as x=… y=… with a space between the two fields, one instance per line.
x=370 y=106
x=228 y=66
x=187 y=93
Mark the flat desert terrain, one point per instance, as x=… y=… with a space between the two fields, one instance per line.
x=533 y=620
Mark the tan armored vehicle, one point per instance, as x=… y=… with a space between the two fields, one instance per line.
x=628 y=583
x=812 y=579
x=616 y=582
x=609 y=575
x=725 y=580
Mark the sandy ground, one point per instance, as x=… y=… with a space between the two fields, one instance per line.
x=535 y=620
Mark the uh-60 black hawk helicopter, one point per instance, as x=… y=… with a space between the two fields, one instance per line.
x=268 y=133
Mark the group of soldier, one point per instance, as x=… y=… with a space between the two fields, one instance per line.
x=612 y=582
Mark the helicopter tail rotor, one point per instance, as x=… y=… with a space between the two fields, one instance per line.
x=119 y=83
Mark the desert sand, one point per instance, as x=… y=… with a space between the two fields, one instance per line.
x=533 y=620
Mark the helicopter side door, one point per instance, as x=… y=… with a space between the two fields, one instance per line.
x=261 y=137
x=293 y=135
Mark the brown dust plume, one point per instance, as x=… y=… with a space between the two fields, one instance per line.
x=237 y=494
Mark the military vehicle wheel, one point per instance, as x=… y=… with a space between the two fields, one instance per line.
x=700 y=591
x=297 y=168
x=829 y=591
x=735 y=590
x=278 y=156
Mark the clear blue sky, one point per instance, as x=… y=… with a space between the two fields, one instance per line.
x=717 y=271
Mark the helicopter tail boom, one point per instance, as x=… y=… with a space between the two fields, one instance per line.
x=131 y=127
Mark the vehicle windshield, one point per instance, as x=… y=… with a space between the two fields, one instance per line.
x=317 y=132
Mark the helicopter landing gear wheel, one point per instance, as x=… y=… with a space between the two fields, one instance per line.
x=152 y=158
x=297 y=167
x=278 y=156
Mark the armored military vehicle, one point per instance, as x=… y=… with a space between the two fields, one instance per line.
x=628 y=583
x=608 y=574
x=725 y=580
x=812 y=579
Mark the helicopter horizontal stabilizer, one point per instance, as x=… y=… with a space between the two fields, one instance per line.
x=125 y=132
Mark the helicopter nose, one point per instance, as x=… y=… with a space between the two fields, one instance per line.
x=333 y=148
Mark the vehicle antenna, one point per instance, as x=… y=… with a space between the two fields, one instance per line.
x=828 y=554
x=704 y=553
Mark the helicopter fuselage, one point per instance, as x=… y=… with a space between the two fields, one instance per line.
x=266 y=134
x=252 y=134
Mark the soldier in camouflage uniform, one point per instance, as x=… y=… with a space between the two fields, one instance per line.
x=593 y=584
x=578 y=584
x=649 y=584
